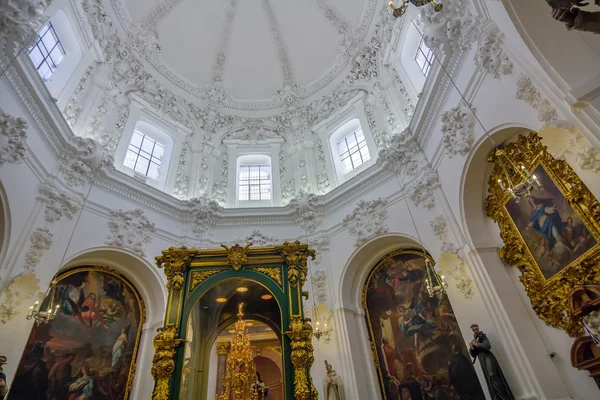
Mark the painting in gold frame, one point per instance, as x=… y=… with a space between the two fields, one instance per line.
x=552 y=236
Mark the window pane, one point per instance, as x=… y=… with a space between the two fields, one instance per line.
x=158 y=151
x=142 y=165
x=136 y=139
x=130 y=158
x=147 y=145
x=351 y=140
x=347 y=165
x=45 y=71
x=44 y=29
x=57 y=55
x=49 y=41
x=342 y=146
x=153 y=171
x=360 y=135
x=356 y=161
x=364 y=152
x=36 y=56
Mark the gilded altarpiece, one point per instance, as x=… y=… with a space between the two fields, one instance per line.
x=552 y=233
x=192 y=273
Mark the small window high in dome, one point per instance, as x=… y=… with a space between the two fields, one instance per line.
x=424 y=57
x=254 y=182
x=144 y=155
x=353 y=150
x=47 y=52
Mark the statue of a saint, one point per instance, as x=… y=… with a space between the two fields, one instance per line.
x=480 y=348
x=575 y=18
x=332 y=384
x=260 y=388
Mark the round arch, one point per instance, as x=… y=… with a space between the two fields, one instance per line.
x=144 y=276
x=524 y=339
x=4 y=223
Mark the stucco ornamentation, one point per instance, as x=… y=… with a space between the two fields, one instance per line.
x=57 y=204
x=457 y=128
x=305 y=205
x=319 y=284
x=490 y=53
x=75 y=172
x=423 y=192
x=453 y=29
x=23 y=287
x=399 y=152
x=204 y=211
x=40 y=240
x=12 y=138
x=527 y=92
x=20 y=20
x=588 y=158
x=130 y=230
x=452 y=266
x=367 y=220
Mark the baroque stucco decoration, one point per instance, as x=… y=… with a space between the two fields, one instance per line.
x=367 y=220
x=586 y=155
x=20 y=20
x=527 y=92
x=319 y=284
x=457 y=127
x=23 y=287
x=130 y=230
x=453 y=29
x=12 y=138
x=57 y=204
x=423 y=192
x=490 y=53
x=40 y=240
x=450 y=264
x=305 y=205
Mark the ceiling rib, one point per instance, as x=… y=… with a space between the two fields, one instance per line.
x=223 y=43
x=159 y=12
x=333 y=16
x=284 y=59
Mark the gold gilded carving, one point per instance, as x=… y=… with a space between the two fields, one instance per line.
x=163 y=363
x=237 y=255
x=548 y=295
x=200 y=276
x=302 y=358
x=223 y=348
x=175 y=261
x=272 y=272
x=296 y=256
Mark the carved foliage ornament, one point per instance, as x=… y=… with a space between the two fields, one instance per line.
x=175 y=261
x=12 y=136
x=548 y=296
x=200 y=276
x=237 y=255
x=296 y=256
x=457 y=127
x=130 y=229
x=367 y=220
x=272 y=272
x=300 y=334
x=163 y=363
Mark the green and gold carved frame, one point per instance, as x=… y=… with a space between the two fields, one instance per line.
x=548 y=296
x=190 y=273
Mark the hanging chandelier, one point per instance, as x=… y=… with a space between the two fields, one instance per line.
x=516 y=179
x=45 y=311
x=436 y=284
x=399 y=11
x=322 y=323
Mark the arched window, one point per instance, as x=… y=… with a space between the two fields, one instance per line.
x=350 y=149
x=254 y=180
x=144 y=154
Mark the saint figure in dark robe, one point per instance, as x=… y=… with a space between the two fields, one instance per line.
x=462 y=376
x=480 y=347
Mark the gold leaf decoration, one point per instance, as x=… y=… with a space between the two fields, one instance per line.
x=548 y=296
x=296 y=256
x=272 y=272
x=163 y=363
x=175 y=261
x=200 y=276
x=237 y=255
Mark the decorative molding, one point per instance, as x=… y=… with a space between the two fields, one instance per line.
x=12 y=135
x=319 y=284
x=423 y=192
x=130 y=230
x=321 y=246
x=23 y=287
x=490 y=53
x=452 y=266
x=200 y=276
x=367 y=220
x=203 y=211
x=284 y=59
x=527 y=92
x=57 y=204
x=457 y=127
x=451 y=30
x=400 y=154
x=20 y=21
x=257 y=239
x=440 y=230
x=75 y=172
x=586 y=155
x=223 y=44
x=333 y=16
x=40 y=240
x=272 y=272
x=305 y=205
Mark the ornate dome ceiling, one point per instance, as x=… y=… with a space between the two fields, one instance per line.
x=259 y=54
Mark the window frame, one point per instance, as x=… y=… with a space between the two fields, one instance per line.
x=267 y=182
x=361 y=144
x=46 y=54
x=137 y=151
x=427 y=58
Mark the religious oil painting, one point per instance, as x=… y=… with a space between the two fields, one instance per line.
x=419 y=350
x=88 y=351
x=554 y=234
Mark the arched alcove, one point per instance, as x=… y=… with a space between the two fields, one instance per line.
x=350 y=316
x=517 y=328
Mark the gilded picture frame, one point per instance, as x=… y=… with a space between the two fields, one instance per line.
x=547 y=289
